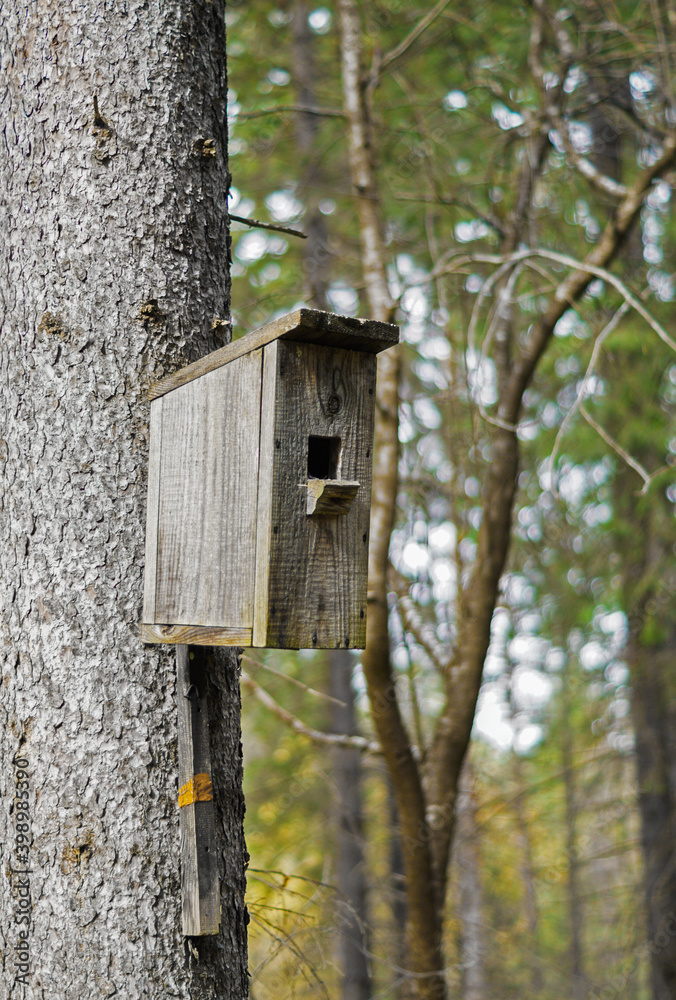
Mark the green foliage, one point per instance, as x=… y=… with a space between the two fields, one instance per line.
x=457 y=120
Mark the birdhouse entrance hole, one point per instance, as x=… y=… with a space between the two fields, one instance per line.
x=323 y=457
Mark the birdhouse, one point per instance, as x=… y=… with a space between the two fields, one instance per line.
x=259 y=488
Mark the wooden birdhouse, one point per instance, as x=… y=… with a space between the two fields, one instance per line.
x=259 y=488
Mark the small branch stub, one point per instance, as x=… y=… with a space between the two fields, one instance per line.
x=330 y=496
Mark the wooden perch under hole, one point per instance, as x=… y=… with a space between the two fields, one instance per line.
x=330 y=496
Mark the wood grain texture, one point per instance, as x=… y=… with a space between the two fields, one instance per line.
x=207 y=519
x=303 y=325
x=200 y=889
x=318 y=565
x=152 y=511
x=197 y=635
x=330 y=496
x=264 y=512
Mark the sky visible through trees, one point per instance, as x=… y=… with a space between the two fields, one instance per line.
x=521 y=161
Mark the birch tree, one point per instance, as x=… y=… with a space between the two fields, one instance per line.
x=114 y=271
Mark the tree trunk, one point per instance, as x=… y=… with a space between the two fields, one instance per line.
x=114 y=250
x=578 y=987
x=426 y=794
x=473 y=936
x=527 y=868
x=347 y=764
x=649 y=585
x=424 y=961
x=397 y=885
x=350 y=863
x=655 y=726
x=313 y=185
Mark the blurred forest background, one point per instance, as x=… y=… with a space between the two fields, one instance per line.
x=483 y=803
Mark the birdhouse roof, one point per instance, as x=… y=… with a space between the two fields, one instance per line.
x=310 y=326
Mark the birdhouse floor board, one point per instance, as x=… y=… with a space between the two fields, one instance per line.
x=196 y=635
x=305 y=326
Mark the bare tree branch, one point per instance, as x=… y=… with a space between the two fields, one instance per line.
x=316 y=735
x=255 y=224
x=582 y=391
x=292 y=680
x=579 y=266
x=611 y=279
x=407 y=42
x=624 y=455
x=424 y=634
x=600 y=181
x=491 y=220
x=606 y=185
x=294 y=108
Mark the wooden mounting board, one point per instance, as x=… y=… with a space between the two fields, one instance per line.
x=200 y=887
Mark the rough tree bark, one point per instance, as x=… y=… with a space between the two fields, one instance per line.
x=113 y=271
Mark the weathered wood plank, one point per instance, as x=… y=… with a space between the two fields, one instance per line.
x=264 y=512
x=200 y=889
x=207 y=520
x=197 y=635
x=319 y=565
x=152 y=511
x=330 y=496
x=303 y=325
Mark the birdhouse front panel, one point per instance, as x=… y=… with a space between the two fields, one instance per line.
x=314 y=497
x=259 y=488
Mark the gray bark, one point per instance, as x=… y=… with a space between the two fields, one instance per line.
x=113 y=267
x=350 y=862
x=473 y=931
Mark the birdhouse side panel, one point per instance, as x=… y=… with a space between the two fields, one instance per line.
x=323 y=429
x=266 y=463
x=152 y=513
x=207 y=498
